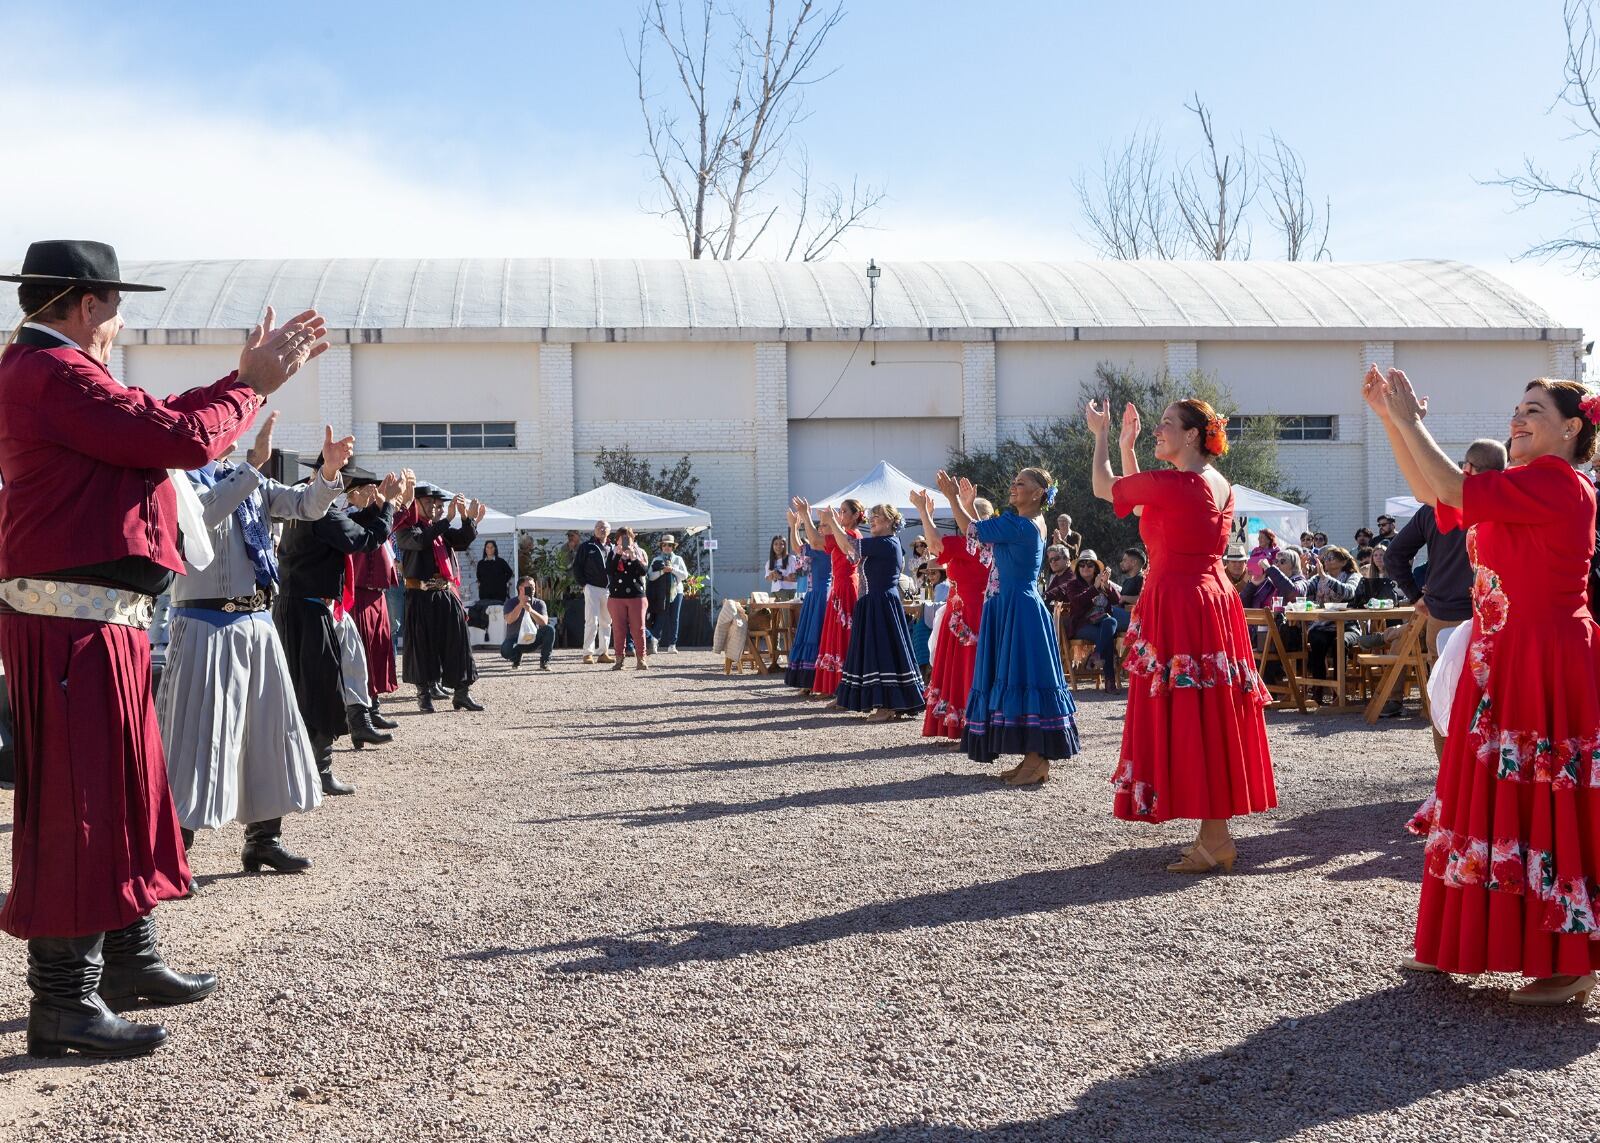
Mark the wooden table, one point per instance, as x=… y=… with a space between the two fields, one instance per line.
x=784 y=615
x=1339 y=619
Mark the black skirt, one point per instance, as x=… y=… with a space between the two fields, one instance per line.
x=311 y=645
x=436 y=645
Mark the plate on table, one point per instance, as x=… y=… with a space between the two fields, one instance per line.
x=1336 y=607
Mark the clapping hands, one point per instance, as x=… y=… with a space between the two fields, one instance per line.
x=271 y=356
x=335 y=453
x=1098 y=417
x=1131 y=426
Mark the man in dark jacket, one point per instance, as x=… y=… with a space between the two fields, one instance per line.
x=312 y=558
x=437 y=647
x=589 y=569
x=1446 y=599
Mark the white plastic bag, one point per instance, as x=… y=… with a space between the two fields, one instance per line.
x=1446 y=674
x=526 y=631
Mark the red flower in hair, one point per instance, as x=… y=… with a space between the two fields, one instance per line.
x=1590 y=408
x=1217 y=436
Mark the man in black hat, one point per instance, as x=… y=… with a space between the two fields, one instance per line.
x=89 y=517
x=314 y=558
x=436 y=642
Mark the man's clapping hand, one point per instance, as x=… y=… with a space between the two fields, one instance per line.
x=272 y=355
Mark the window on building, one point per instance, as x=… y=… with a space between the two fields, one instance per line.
x=1302 y=427
x=440 y=434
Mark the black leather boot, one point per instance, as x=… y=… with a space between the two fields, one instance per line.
x=67 y=1015
x=324 y=751
x=135 y=971
x=464 y=701
x=378 y=718
x=436 y=689
x=425 y=699
x=362 y=732
x=262 y=846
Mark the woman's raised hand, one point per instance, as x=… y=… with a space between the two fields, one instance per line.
x=1098 y=417
x=946 y=483
x=1404 y=404
x=1130 y=426
x=1375 y=392
x=967 y=497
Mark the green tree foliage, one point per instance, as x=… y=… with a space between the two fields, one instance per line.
x=1065 y=447
x=619 y=466
x=550 y=565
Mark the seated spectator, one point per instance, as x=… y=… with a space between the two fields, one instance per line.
x=1269 y=581
x=1308 y=540
x=1364 y=538
x=1386 y=529
x=1267 y=544
x=1090 y=597
x=1058 y=573
x=1319 y=540
x=919 y=558
x=1336 y=582
x=544 y=638
x=1235 y=562
x=1133 y=564
x=922 y=629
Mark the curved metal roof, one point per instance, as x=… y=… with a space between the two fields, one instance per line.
x=578 y=294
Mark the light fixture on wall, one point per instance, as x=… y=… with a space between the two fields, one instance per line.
x=873 y=274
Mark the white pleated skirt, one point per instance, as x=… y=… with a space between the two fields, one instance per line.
x=236 y=747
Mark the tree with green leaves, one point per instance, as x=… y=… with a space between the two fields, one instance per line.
x=619 y=466
x=1065 y=448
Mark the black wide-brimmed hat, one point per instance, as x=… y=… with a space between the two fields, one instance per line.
x=353 y=475
x=74 y=262
x=433 y=492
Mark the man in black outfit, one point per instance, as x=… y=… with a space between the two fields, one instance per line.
x=312 y=564
x=437 y=646
x=1446 y=599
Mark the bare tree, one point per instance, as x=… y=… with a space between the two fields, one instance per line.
x=1213 y=202
x=1294 y=214
x=1579 y=192
x=1129 y=207
x=720 y=138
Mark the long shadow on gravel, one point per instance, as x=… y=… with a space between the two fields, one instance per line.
x=1375 y=1054
x=913 y=789
x=1121 y=877
x=697 y=727
x=914 y=750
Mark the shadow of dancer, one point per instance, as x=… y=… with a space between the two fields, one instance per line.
x=1372 y=1055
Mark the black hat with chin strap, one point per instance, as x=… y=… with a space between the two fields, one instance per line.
x=69 y=262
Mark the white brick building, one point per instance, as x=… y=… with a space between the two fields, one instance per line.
x=504 y=378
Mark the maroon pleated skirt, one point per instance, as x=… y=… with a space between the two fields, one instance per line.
x=95 y=842
x=371 y=614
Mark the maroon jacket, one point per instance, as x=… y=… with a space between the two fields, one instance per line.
x=84 y=459
x=375 y=570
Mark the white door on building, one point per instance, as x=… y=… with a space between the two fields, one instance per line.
x=827 y=454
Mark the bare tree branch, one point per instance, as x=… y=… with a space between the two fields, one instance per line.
x=718 y=141
x=1128 y=207
x=1213 y=202
x=1579 y=192
x=1294 y=213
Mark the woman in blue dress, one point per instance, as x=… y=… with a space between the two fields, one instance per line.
x=808 y=626
x=1019 y=702
x=880 y=669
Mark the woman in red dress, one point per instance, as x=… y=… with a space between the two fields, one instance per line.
x=969 y=564
x=841 y=594
x=1194 y=743
x=1513 y=825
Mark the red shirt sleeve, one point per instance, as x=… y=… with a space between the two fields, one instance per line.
x=89 y=413
x=1537 y=493
x=1130 y=492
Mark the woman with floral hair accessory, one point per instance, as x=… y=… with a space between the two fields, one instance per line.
x=1194 y=742
x=1513 y=825
x=1019 y=703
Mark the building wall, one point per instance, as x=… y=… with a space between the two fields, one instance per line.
x=762 y=420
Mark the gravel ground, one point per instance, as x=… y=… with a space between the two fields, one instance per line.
x=704 y=909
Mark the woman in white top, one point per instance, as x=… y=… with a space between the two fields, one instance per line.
x=783 y=569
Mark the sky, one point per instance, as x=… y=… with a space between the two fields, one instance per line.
x=196 y=130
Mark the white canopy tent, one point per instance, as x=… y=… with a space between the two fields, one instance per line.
x=616 y=505
x=886 y=484
x=1254 y=510
x=1402 y=508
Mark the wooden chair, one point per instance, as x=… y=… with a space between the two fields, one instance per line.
x=760 y=644
x=1406 y=661
x=1271 y=649
x=1077 y=653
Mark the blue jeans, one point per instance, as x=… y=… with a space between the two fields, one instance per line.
x=1123 y=617
x=665 y=632
x=1103 y=634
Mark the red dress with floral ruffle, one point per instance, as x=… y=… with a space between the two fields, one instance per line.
x=836 y=621
x=1513 y=826
x=1194 y=744
x=970 y=564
